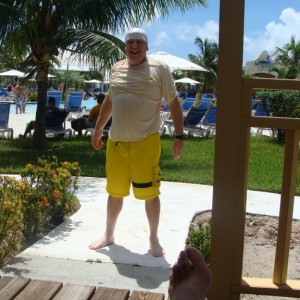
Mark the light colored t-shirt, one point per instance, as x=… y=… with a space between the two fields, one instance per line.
x=136 y=93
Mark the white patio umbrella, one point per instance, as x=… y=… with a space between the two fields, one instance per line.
x=93 y=81
x=15 y=73
x=176 y=63
x=186 y=80
x=33 y=78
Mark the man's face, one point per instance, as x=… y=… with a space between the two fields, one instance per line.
x=136 y=51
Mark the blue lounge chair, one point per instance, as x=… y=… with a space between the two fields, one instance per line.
x=57 y=95
x=4 y=118
x=75 y=101
x=208 y=96
x=4 y=96
x=187 y=104
x=205 y=103
x=209 y=119
x=261 y=111
x=191 y=122
x=55 y=124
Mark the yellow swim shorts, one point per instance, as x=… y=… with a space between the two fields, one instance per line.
x=136 y=164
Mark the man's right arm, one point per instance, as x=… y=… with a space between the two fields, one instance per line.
x=104 y=116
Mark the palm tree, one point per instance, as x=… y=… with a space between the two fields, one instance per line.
x=289 y=58
x=208 y=59
x=43 y=29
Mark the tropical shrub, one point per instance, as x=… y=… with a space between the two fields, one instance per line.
x=284 y=104
x=51 y=192
x=33 y=97
x=11 y=216
x=199 y=236
x=44 y=195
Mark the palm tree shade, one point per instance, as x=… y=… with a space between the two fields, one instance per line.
x=41 y=30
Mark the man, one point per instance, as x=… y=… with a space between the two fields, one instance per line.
x=31 y=125
x=90 y=120
x=137 y=86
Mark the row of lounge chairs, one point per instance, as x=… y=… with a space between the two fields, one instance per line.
x=55 y=123
x=200 y=119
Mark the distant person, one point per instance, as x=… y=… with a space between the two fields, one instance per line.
x=88 y=121
x=190 y=277
x=20 y=98
x=31 y=125
x=9 y=88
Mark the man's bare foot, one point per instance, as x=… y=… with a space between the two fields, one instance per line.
x=156 y=249
x=190 y=277
x=103 y=242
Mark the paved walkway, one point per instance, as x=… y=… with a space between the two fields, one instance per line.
x=63 y=254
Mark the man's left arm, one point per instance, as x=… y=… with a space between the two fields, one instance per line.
x=177 y=117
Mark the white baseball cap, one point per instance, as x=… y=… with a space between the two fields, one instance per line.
x=136 y=34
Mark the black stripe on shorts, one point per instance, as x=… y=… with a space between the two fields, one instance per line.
x=142 y=185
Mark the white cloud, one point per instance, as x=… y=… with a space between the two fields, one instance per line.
x=275 y=34
x=182 y=35
x=161 y=38
x=209 y=30
x=187 y=32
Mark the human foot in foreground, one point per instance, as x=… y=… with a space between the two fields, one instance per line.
x=190 y=277
x=156 y=249
x=103 y=242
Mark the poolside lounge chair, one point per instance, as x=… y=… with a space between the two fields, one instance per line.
x=205 y=103
x=209 y=119
x=105 y=129
x=208 y=96
x=261 y=111
x=187 y=104
x=74 y=101
x=191 y=122
x=4 y=96
x=57 y=95
x=55 y=124
x=4 y=118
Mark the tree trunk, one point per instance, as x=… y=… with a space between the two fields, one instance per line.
x=39 y=136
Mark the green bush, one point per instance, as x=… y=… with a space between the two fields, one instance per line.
x=199 y=236
x=33 y=97
x=284 y=104
x=44 y=195
x=50 y=196
x=11 y=216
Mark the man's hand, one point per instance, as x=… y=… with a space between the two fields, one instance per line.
x=96 y=140
x=177 y=148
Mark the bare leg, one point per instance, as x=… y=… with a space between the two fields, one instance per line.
x=80 y=125
x=190 y=278
x=114 y=207
x=153 y=211
x=30 y=126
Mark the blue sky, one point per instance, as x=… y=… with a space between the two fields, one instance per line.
x=268 y=24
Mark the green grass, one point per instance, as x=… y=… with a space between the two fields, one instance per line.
x=196 y=166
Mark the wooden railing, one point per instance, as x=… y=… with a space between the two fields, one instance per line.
x=279 y=285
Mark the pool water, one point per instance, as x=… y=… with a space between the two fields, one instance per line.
x=31 y=107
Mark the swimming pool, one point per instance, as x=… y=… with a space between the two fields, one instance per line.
x=31 y=107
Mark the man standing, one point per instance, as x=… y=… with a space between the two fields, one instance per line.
x=137 y=86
